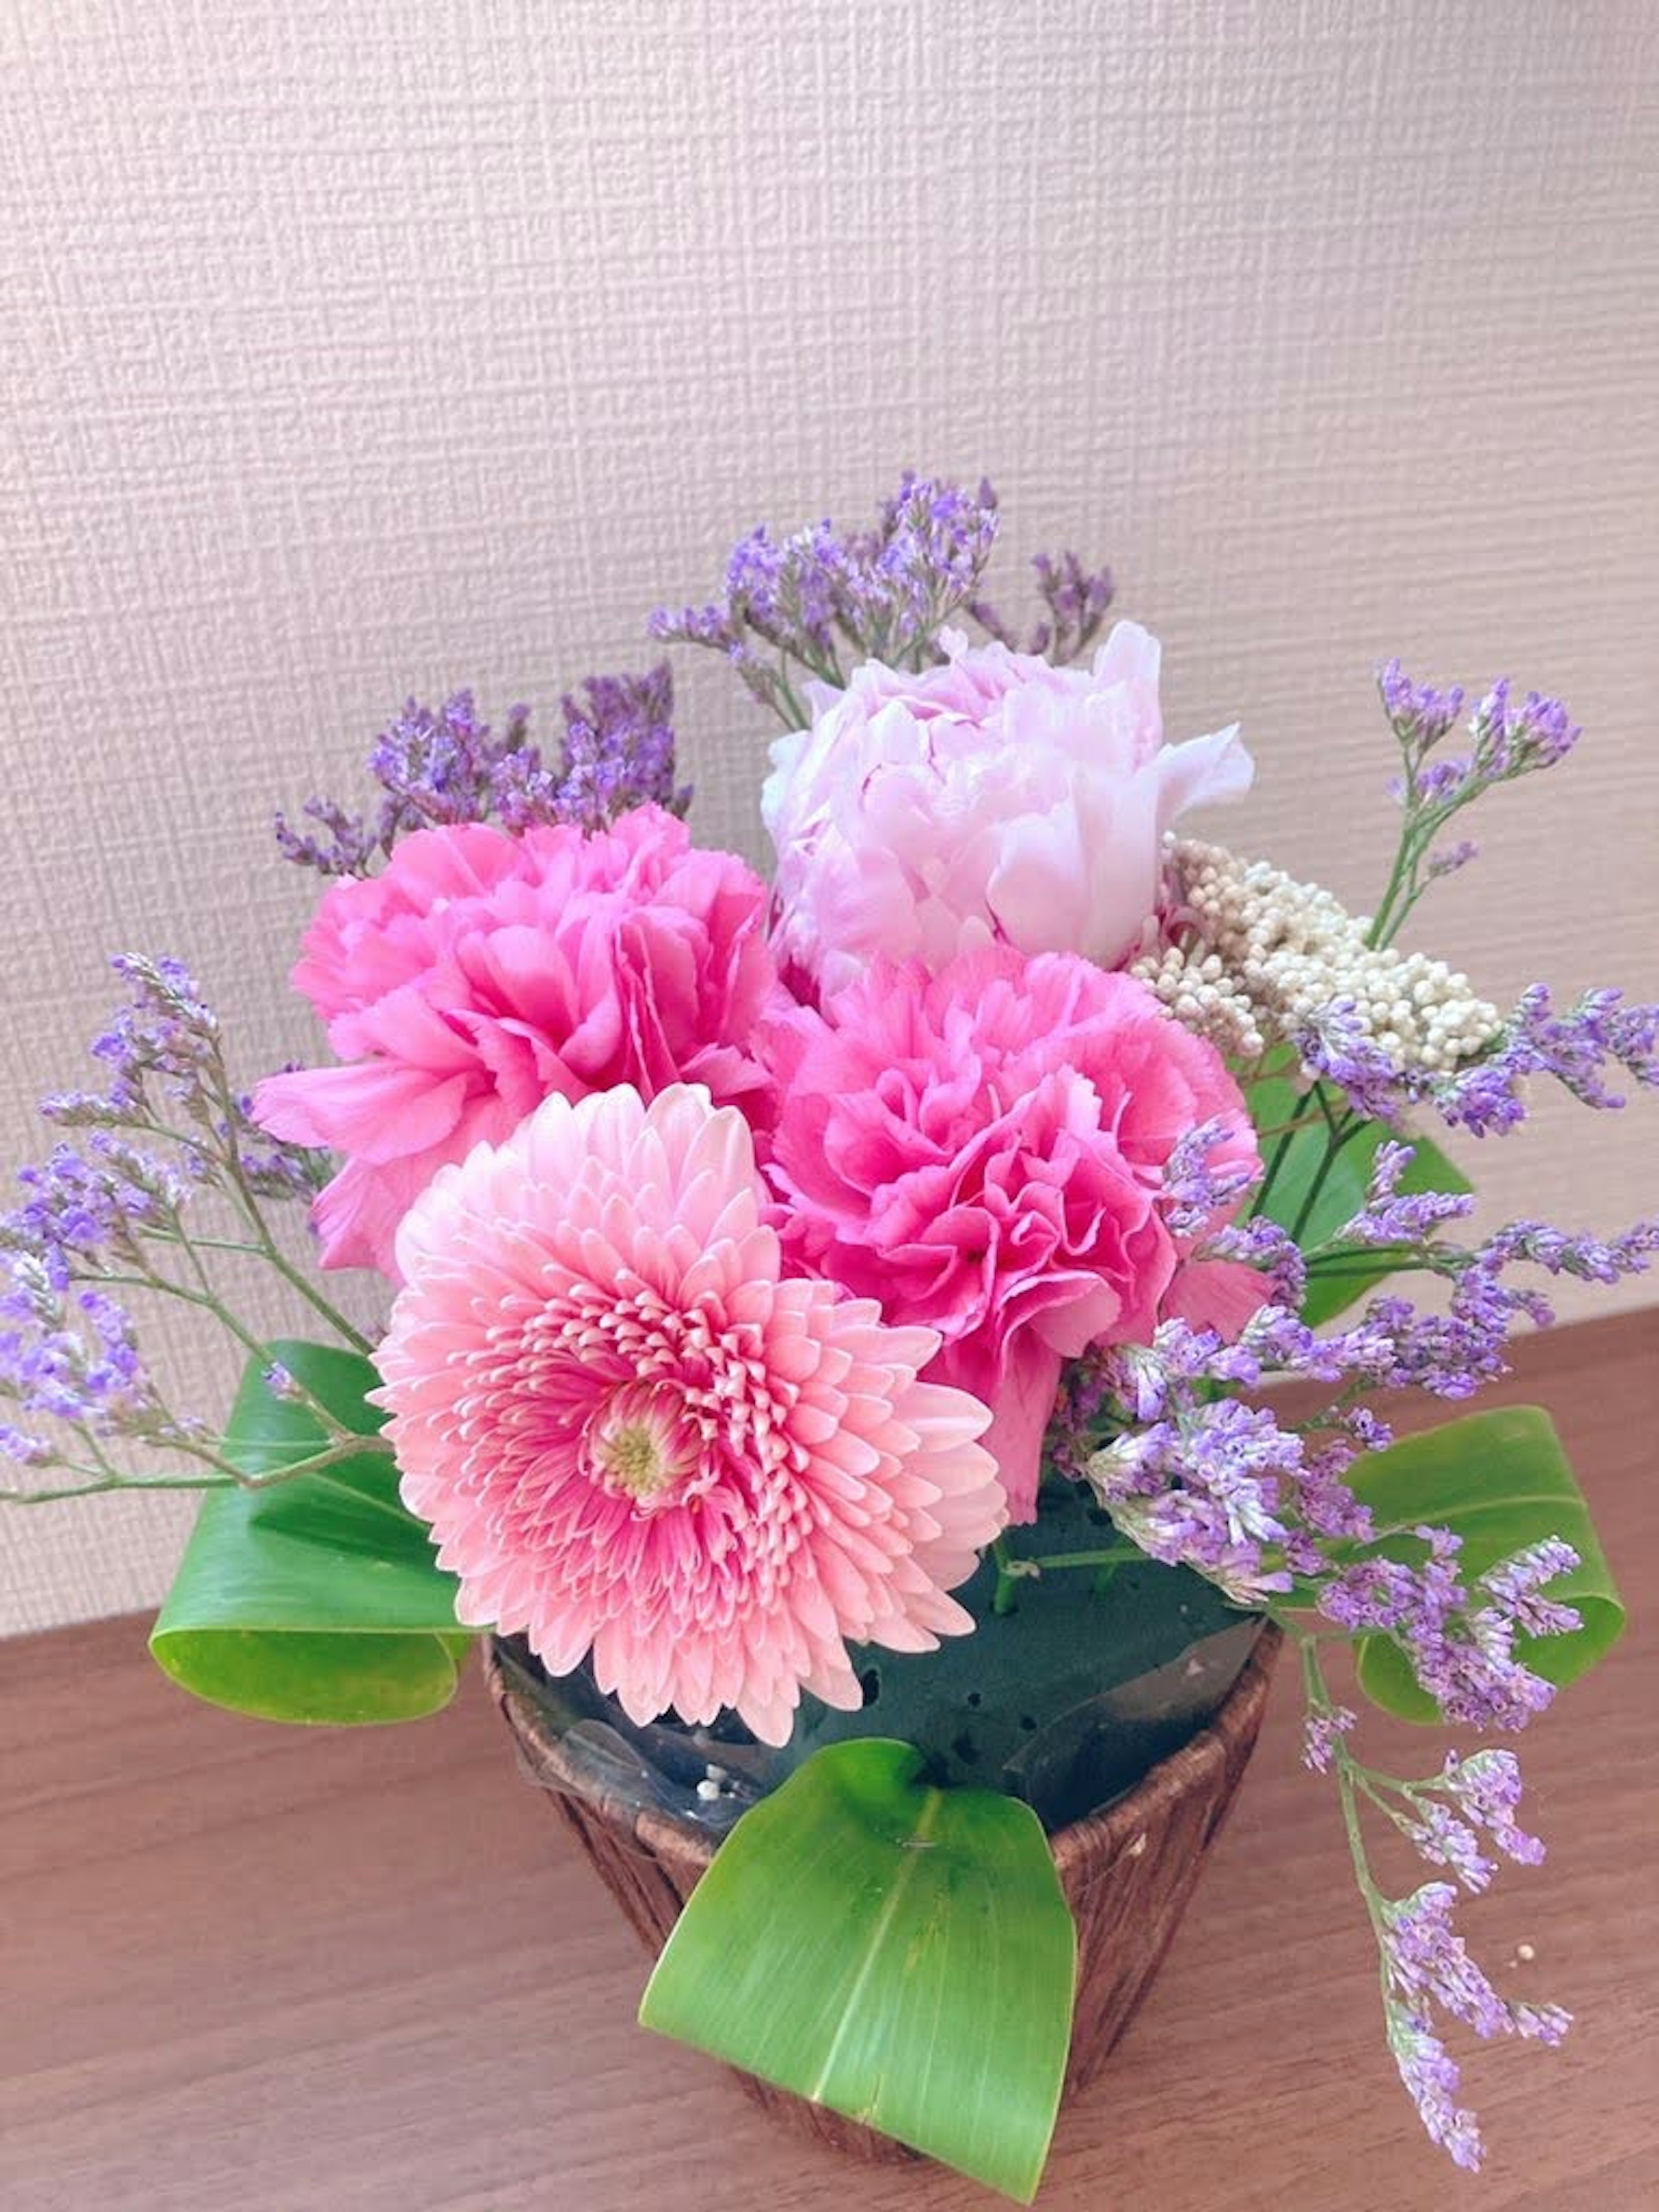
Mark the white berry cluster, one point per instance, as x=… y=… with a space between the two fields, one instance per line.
x=1250 y=956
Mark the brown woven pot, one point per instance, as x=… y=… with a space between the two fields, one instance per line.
x=1128 y=1872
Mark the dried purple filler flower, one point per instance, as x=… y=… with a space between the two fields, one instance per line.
x=436 y=769
x=812 y=605
x=113 y=1212
x=1508 y=741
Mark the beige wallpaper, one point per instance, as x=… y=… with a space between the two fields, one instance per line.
x=355 y=349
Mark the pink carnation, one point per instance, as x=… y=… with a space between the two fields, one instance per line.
x=993 y=801
x=634 y=1435
x=983 y=1151
x=483 y=973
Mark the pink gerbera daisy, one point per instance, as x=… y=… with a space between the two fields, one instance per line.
x=635 y=1435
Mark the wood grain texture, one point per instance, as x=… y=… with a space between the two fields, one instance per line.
x=325 y=1972
x=353 y=349
x=1127 y=1870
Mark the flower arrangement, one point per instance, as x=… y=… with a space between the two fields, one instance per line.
x=887 y=1258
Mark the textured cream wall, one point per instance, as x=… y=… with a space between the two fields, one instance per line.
x=352 y=349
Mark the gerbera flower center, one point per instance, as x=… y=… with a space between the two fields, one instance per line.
x=641 y=1441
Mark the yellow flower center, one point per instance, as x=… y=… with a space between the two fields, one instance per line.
x=641 y=1443
x=634 y=1458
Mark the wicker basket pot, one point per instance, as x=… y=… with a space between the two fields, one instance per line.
x=1127 y=1871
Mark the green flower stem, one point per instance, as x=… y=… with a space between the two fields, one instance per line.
x=1381 y=1260
x=1348 y=1774
x=269 y=1250
x=97 y=1484
x=1342 y=1131
x=1004 y=1598
x=795 y=716
x=226 y=1153
x=1274 y=1164
x=207 y=1300
x=1113 y=1555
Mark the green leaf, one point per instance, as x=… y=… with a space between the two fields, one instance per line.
x=1353 y=1269
x=318 y=1599
x=1501 y=1481
x=903 y=1954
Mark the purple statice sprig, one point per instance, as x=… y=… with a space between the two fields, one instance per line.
x=1580 y=1046
x=1197 y=1477
x=810 y=605
x=110 y=1211
x=436 y=768
x=1455 y=1819
x=1195 y=1187
x=1508 y=739
x=1391 y=1216
x=1194 y=1473
x=73 y=1380
x=1075 y=600
x=166 y=1082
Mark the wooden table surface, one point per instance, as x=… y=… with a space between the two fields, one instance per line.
x=248 y=1967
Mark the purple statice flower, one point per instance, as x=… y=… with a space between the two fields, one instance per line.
x=436 y=769
x=1321 y=1733
x=339 y=842
x=433 y=768
x=820 y=597
x=166 y=1040
x=1514 y=1588
x=1433 y=2079
x=282 y=1383
x=618 y=753
x=1326 y=1506
x=819 y=600
x=1076 y=1427
x=1075 y=600
x=20 y=1449
x=1443 y=1839
x=1397 y=1346
x=1485 y=1788
x=1390 y=1216
x=443 y=767
x=1576 y=1047
x=1487 y=1095
x=70 y=1356
x=1460 y=1644
x=1193 y=1192
x=1420 y=714
x=1208 y=1482
x=1207 y=1491
x=1508 y=740
x=1335 y=1045
x=1561 y=1252
x=165 y=1031
x=923 y=559
x=1427 y=1963
x=1448 y=859
x=271 y=1167
x=1270 y=1249
x=90 y=1206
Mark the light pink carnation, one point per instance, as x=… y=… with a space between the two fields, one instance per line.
x=993 y=801
x=984 y=1150
x=633 y=1434
x=482 y=973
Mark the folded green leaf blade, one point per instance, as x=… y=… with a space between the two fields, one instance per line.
x=901 y=1954
x=1501 y=1481
x=317 y=1600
